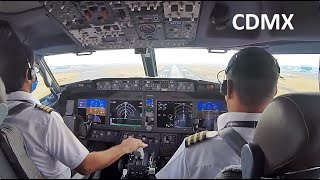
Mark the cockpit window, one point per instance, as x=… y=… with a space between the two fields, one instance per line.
x=69 y=68
x=299 y=72
x=195 y=64
x=42 y=90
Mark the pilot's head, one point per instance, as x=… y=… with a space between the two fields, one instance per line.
x=14 y=58
x=251 y=80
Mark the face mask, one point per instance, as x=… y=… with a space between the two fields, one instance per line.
x=34 y=85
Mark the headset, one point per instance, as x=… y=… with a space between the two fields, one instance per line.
x=233 y=60
x=31 y=72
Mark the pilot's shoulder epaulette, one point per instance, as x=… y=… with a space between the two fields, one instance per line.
x=44 y=108
x=199 y=137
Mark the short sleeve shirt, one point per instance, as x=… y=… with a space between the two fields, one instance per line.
x=49 y=143
x=206 y=159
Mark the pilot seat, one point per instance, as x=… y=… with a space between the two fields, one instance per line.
x=286 y=141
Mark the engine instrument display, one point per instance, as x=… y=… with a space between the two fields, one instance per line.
x=210 y=110
x=93 y=109
x=209 y=106
x=171 y=114
x=125 y=113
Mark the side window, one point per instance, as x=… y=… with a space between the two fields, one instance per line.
x=42 y=90
x=299 y=73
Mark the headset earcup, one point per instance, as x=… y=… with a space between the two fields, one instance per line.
x=278 y=67
x=31 y=74
x=223 y=88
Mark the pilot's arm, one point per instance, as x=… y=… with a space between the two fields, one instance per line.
x=63 y=145
x=177 y=167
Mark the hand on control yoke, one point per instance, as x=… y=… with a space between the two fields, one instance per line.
x=131 y=144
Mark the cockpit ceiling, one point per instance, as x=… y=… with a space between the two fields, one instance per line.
x=76 y=26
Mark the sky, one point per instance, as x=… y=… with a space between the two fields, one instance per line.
x=170 y=56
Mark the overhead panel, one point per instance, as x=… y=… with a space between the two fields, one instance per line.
x=128 y=24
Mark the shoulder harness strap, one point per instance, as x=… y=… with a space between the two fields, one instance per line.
x=44 y=108
x=18 y=108
x=233 y=139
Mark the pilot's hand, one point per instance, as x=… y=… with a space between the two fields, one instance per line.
x=131 y=144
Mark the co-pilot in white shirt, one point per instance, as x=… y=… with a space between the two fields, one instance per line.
x=206 y=159
x=49 y=142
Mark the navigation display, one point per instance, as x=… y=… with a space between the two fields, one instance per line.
x=172 y=114
x=125 y=113
x=93 y=109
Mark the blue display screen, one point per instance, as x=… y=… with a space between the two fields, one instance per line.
x=149 y=102
x=209 y=106
x=92 y=103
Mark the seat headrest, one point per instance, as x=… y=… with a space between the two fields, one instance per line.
x=288 y=132
x=3 y=96
x=3 y=112
x=3 y=107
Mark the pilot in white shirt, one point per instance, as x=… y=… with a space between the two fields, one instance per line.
x=49 y=142
x=251 y=83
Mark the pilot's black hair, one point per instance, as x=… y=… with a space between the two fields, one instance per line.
x=255 y=73
x=13 y=58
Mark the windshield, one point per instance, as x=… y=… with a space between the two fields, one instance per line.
x=299 y=72
x=68 y=68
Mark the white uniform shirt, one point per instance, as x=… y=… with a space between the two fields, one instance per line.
x=206 y=159
x=49 y=142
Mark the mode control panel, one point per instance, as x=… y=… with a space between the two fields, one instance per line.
x=137 y=85
x=186 y=87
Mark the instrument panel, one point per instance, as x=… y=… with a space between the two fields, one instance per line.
x=159 y=111
x=148 y=104
x=167 y=114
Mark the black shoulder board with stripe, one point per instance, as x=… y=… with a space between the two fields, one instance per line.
x=199 y=137
x=45 y=108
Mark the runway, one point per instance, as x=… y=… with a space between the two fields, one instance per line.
x=179 y=71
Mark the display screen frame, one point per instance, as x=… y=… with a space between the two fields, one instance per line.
x=221 y=111
x=76 y=103
x=130 y=126
x=174 y=129
x=174 y=122
x=205 y=102
x=126 y=128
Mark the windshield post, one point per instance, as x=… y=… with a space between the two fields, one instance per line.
x=48 y=77
x=149 y=63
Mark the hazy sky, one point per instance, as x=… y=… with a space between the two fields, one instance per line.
x=171 y=56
